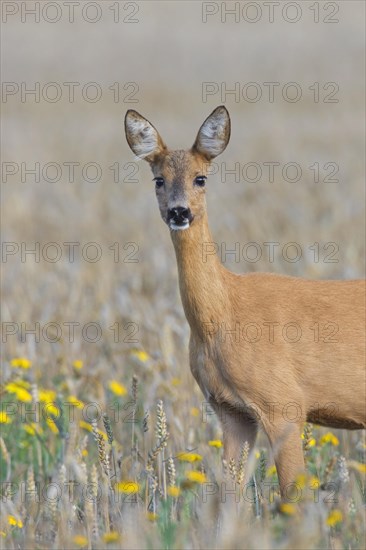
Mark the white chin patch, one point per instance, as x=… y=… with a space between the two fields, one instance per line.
x=178 y=227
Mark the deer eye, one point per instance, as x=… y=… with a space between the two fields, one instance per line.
x=159 y=182
x=200 y=181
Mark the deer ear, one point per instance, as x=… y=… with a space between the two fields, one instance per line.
x=214 y=134
x=142 y=137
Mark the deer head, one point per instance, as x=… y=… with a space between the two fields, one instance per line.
x=180 y=176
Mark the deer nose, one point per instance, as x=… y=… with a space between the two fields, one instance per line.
x=179 y=215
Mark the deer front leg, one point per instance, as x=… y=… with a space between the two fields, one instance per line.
x=289 y=457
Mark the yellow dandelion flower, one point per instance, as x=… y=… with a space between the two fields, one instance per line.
x=89 y=428
x=141 y=355
x=215 y=443
x=84 y=452
x=21 y=363
x=195 y=411
x=85 y=425
x=257 y=454
x=75 y=401
x=189 y=457
x=334 y=518
x=4 y=418
x=112 y=536
x=288 y=509
x=271 y=471
x=22 y=383
x=21 y=393
x=52 y=426
x=329 y=437
x=80 y=540
x=117 y=388
x=311 y=442
x=196 y=477
x=12 y=520
x=78 y=364
x=47 y=396
x=303 y=480
x=52 y=409
x=33 y=428
x=127 y=487
x=151 y=516
x=313 y=482
x=174 y=492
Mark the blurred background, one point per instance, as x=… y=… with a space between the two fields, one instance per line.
x=174 y=62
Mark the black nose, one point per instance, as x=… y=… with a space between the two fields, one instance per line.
x=179 y=215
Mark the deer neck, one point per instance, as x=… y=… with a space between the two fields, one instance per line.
x=201 y=277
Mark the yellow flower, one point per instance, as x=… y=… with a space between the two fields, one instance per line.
x=288 y=509
x=140 y=354
x=4 y=418
x=329 y=438
x=151 y=516
x=303 y=480
x=196 y=477
x=271 y=471
x=84 y=452
x=78 y=364
x=195 y=411
x=22 y=383
x=47 y=396
x=21 y=362
x=313 y=482
x=117 y=388
x=51 y=409
x=310 y=442
x=215 y=443
x=88 y=427
x=21 y=393
x=12 y=520
x=75 y=401
x=334 y=518
x=127 y=487
x=257 y=454
x=189 y=457
x=112 y=536
x=33 y=428
x=176 y=381
x=85 y=425
x=52 y=426
x=174 y=492
x=80 y=540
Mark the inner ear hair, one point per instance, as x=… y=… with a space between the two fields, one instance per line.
x=142 y=137
x=214 y=134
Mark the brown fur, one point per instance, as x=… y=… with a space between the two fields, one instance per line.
x=265 y=381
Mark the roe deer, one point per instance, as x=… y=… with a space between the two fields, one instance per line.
x=250 y=380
